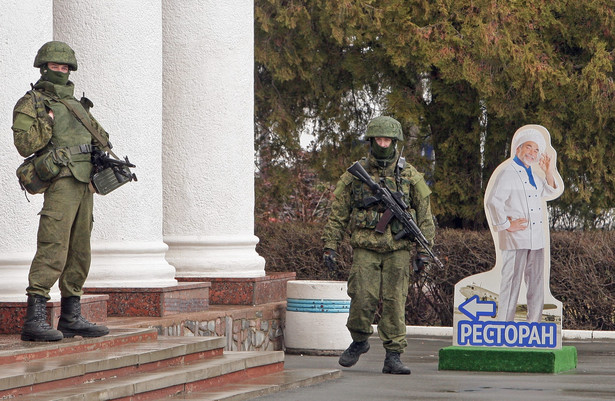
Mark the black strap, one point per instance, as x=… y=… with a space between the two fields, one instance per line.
x=80 y=149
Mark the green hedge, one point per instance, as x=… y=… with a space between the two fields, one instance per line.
x=582 y=275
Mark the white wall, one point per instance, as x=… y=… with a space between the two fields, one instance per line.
x=172 y=82
x=24 y=27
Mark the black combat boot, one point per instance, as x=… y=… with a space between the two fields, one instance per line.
x=393 y=365
x=72 y=323
x=353 y=352
x=35 y=327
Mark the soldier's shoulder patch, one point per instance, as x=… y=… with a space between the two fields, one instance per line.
x=417 y=180
x=422 y=188
x=22 y=122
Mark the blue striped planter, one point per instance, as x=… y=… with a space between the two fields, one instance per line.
x=316 y=315
x=317 y=305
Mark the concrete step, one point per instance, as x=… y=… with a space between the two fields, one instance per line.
x=169 y=380
x=288 y=379
x=75 y=369
x=12 y=349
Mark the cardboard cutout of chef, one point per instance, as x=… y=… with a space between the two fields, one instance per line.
x=511 y=305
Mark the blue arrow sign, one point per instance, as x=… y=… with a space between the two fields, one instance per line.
x=474 y=308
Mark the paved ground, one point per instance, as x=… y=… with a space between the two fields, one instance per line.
x=594 y=378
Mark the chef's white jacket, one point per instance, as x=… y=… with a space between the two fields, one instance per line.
x=512 y=196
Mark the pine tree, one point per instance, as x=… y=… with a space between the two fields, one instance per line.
x=461 y=76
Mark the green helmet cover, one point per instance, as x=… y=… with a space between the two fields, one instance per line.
x=386 y=127
x=56 y=52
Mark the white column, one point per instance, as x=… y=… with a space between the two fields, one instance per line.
x=118 y=45
x=208 y=141
x=25 y=26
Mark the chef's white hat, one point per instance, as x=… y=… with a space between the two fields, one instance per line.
x=529 y=134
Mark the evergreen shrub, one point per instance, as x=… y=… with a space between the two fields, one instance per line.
x=582 y=274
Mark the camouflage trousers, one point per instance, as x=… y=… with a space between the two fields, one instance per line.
x=376 y=276
x=63 y=241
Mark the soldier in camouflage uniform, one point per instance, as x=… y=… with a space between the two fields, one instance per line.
x=44 y=126
x=381 y=264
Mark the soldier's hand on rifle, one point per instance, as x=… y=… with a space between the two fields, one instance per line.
x=421 y=262
x=330 y=258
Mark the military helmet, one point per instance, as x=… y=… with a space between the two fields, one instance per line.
x=384 y=126
x=56 y=52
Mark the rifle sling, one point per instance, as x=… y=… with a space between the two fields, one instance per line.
x=88 y=126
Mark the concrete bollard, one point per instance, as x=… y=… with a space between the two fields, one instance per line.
x=316 y=315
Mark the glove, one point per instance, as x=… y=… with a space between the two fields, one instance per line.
x=421 y=262
x=330 y=258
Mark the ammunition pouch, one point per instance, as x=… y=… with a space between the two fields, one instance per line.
x=37 y=171
x=46 y=166
x=365 y=218
x=29 y=179
x=110 y=179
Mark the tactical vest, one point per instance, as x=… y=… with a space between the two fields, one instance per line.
x=366 y=215
x=69 y=132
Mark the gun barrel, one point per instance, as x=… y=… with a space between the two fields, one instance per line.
x=121 y=163
x=117 y=162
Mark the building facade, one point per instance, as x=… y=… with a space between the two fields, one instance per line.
x=172 y=83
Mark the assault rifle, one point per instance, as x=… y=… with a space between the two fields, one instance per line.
x=396 y=207
x=109 y=173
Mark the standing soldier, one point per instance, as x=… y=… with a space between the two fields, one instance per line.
x=381 y=263
x=45 y=124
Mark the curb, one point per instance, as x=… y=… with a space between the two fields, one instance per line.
x=588 y=335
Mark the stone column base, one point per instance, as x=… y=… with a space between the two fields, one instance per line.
x=246 y=291
x=199 y=257
x=155 y=302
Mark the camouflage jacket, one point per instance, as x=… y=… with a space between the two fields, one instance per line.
x=348 y=213
x=35 y=131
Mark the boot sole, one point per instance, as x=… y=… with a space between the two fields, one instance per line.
x=39 y=339
x=389 y=371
